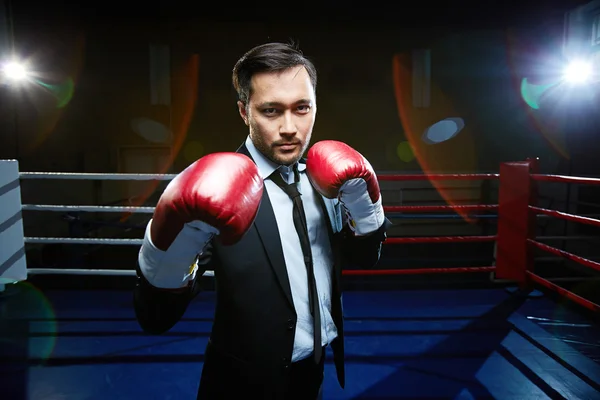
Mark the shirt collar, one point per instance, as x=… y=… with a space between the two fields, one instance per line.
x=266 y=166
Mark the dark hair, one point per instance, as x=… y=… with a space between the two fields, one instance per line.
x=268 y=57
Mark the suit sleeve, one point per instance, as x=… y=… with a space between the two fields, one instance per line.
x=363 y=252
x=158 y=310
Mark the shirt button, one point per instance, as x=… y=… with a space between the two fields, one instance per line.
x=290 y=324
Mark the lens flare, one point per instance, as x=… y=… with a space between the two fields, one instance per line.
x=33 y=325
x=533 y=93
x=15 y=71
x=578 y=71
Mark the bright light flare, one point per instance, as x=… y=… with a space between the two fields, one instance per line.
x=15 y=71
x=578 y=72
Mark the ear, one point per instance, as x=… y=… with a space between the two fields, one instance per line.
x=242 y=109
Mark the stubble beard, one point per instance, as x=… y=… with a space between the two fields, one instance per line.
x=270 y=152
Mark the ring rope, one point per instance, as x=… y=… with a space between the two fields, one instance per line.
x=441 y=216
x=385 y=177
x=449 y=239
x=437 y=177
x=150 y=210
x=124 y=209
x=396 y=240
x=164 y=177
x=96 y=177
x=563 y=292
x=569 y=256
x=416 y=271
x=137 y=242
x=565 y=179
x=210 y=273
x=589 y=237
x=464 y=207
x=95 y=272
x=440 y=239
x=569 y=217
x=391 y=209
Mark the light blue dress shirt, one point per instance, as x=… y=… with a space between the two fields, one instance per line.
x=292 y=251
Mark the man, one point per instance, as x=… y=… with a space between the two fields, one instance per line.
x=230 y=213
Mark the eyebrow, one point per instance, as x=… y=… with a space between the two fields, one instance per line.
x=268 y=104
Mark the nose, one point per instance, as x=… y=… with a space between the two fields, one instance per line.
x=288 y=125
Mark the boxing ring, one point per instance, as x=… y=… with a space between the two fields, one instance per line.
x=497 y=341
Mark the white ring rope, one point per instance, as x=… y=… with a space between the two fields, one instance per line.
x=124 y=209
x=137 y=242
x=96 y=177
x=95 y=272
x=103 y=241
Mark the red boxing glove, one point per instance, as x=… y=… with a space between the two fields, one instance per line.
x=217 y=195
x=338 y=171
x=222 y=190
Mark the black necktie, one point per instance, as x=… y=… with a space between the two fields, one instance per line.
x=302 y=230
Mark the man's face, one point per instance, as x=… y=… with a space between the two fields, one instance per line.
x=281 y=114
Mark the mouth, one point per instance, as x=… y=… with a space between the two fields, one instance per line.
x=287 y=146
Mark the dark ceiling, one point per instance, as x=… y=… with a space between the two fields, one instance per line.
x=470 y=14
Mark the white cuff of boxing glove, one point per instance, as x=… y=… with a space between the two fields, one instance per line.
x=173 y=268
x=364 y=216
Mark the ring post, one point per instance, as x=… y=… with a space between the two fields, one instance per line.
x=515 y=223
x=13 y=265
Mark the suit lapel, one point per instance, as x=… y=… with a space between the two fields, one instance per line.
x=266 y=227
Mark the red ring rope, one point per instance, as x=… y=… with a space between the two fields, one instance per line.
x=415 y=271
x=565 y=179
x=563 y=292
x=440 y=239
x=569 y=217
x=437 y=177
x=516 y=193
x=469 y=207
x=569 y=256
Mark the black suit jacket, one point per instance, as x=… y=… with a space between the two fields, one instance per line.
x=253 y=330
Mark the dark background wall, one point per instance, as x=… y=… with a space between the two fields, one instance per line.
x=478 y=58
x=93 y=59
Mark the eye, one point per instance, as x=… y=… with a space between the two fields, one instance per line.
x=269 y=111
x=304 y=108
